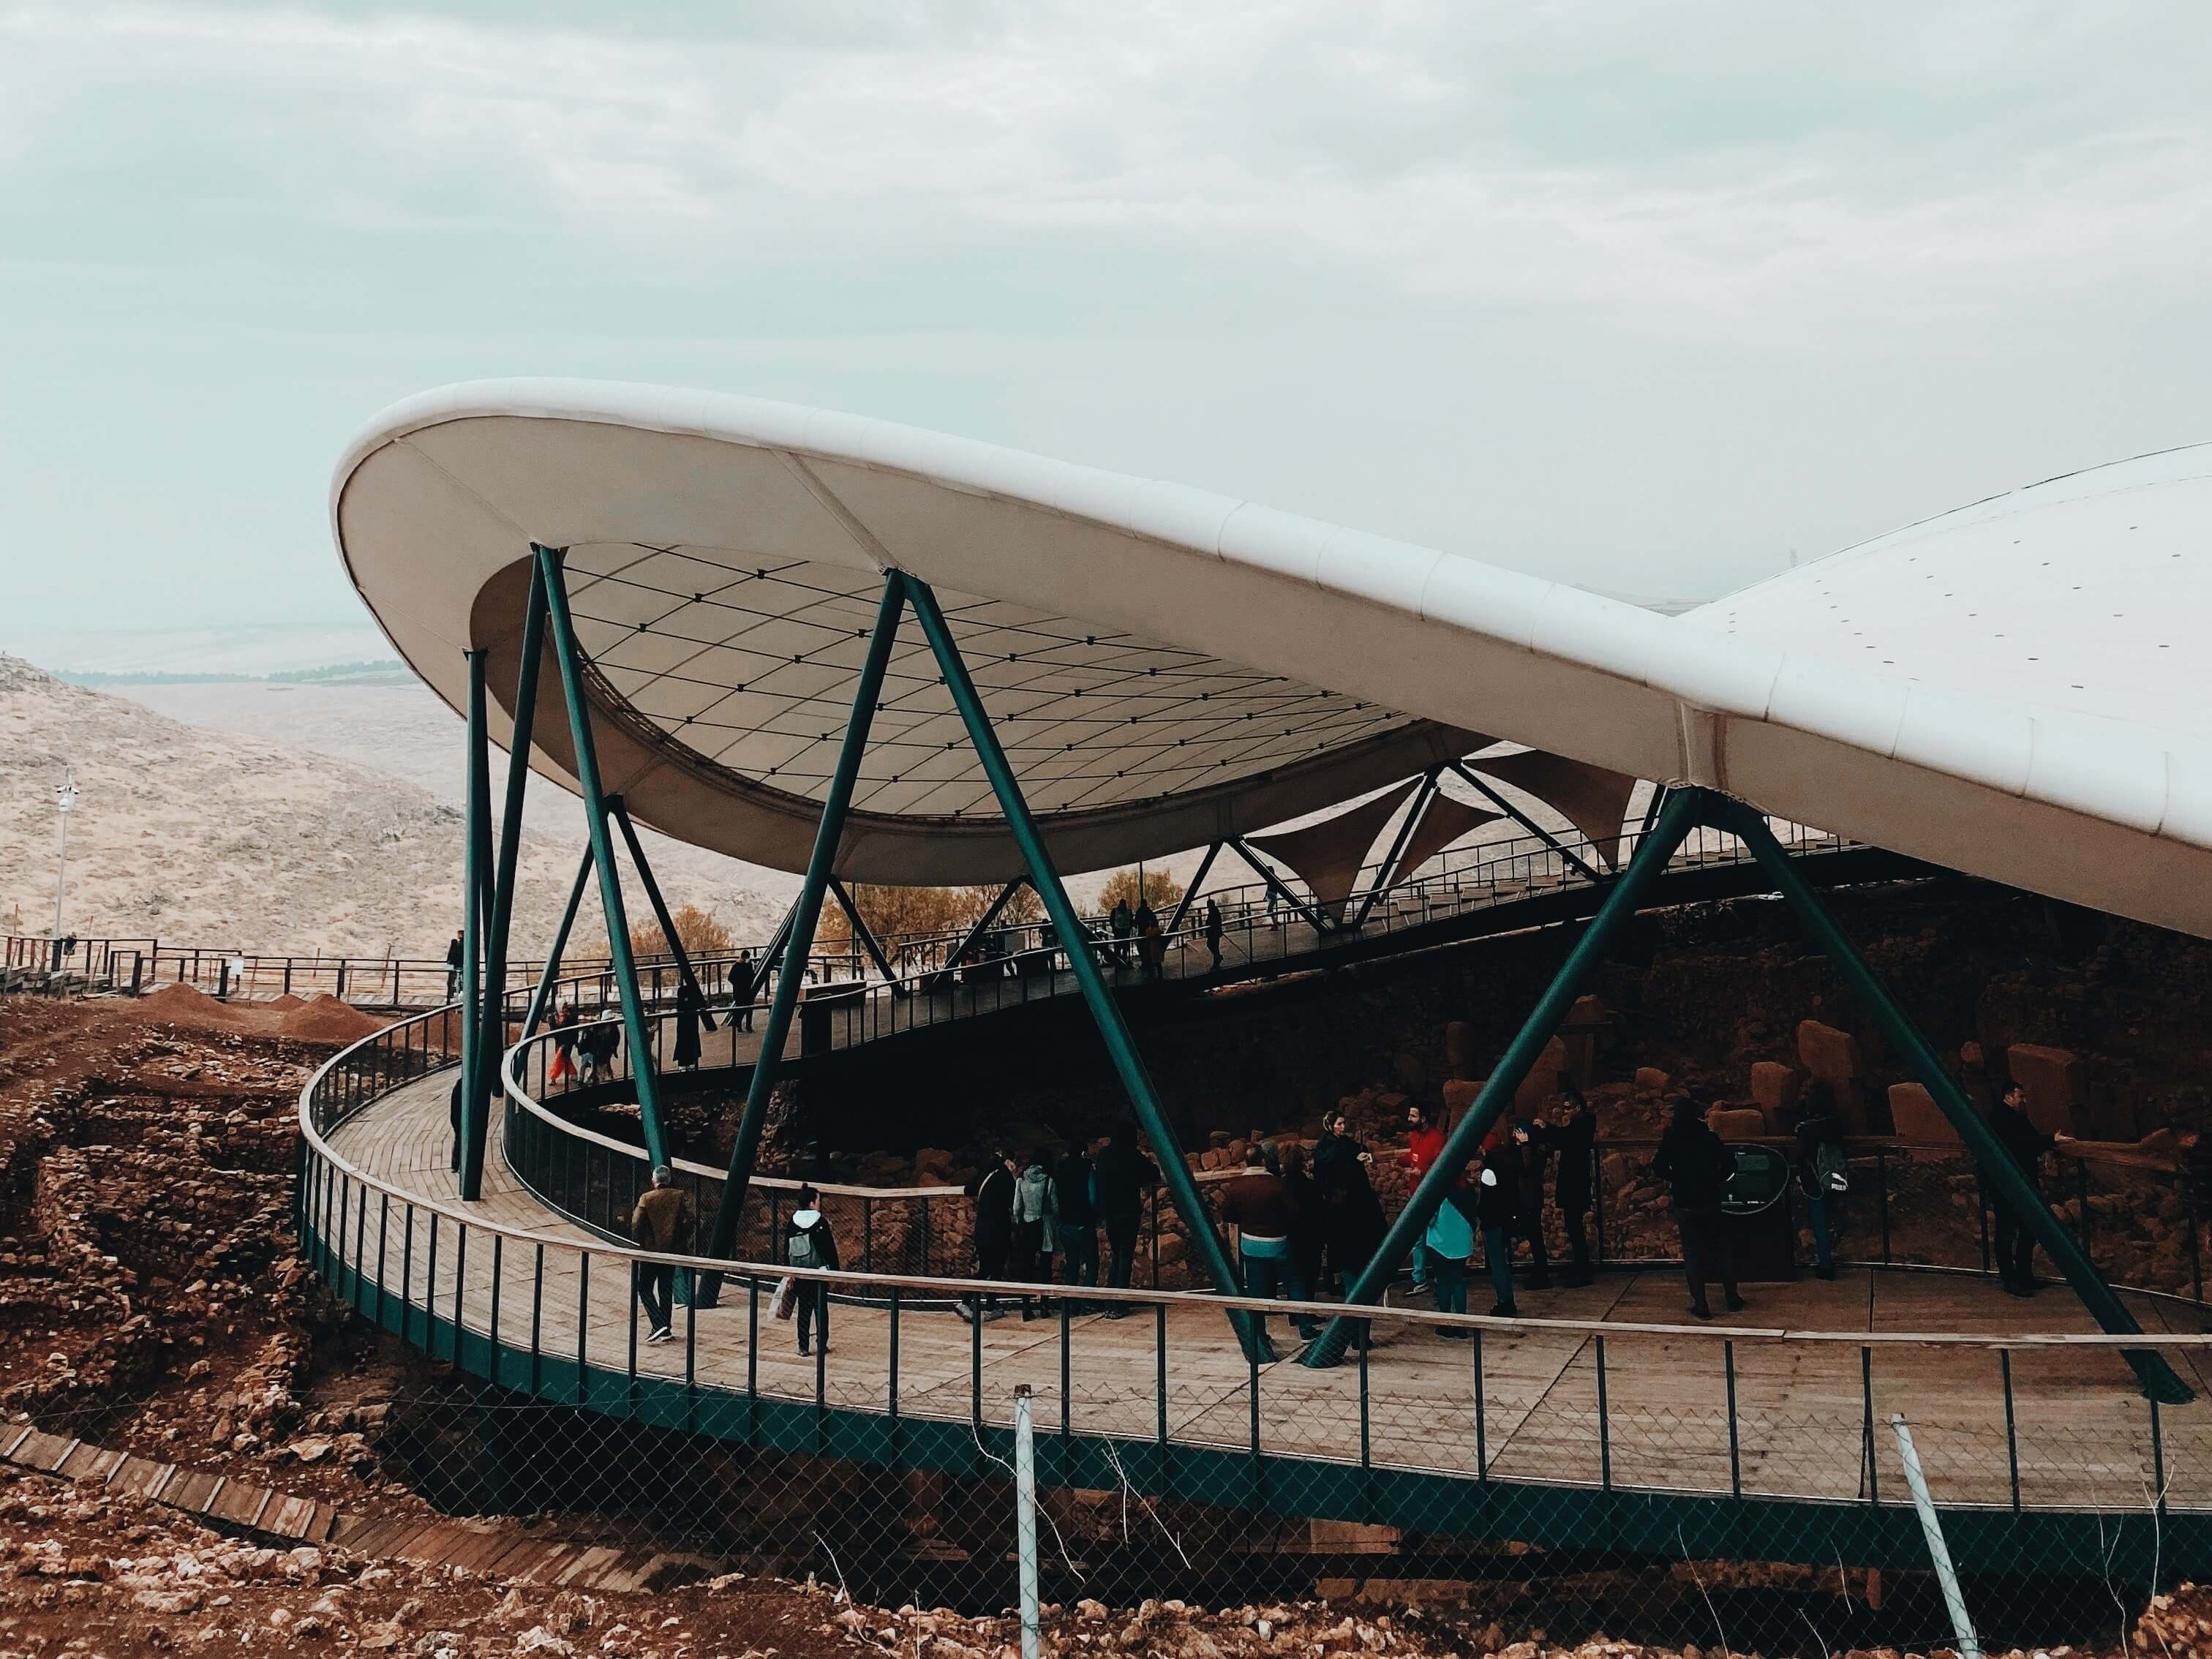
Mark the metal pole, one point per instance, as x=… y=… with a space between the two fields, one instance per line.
x=1174 y=1174
x=476 y=1110
x=1506 y=1076
x=1275 y=884
x=1525 y=821
x=540 y=998
x=1183 y=909
x=827 y=836
x=1413 y=814
x=1026 y=1519
x=621 y=809
x=64 y=798
x=478 y=832
x=861 y=930
x=570 y=657
x=2013 y=1187
x=1938 y=1550
x=982 y=926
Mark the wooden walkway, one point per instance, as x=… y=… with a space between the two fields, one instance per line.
x=2083 y=1435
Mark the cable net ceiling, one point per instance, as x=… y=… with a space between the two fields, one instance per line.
x=751 y=667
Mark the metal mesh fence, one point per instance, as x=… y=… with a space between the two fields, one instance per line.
x=1573 y=1477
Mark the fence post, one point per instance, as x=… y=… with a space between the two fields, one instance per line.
x=1938 y=1550
x=1025 y=1521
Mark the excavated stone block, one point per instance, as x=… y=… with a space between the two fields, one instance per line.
x=1650 y=1077
x=1460 y=1094
x=1915 y=1116
x=1776 y=1088
x=2052 y=1080
x=1828 y=1053
x=1459 y=1048
x=1736 y=1123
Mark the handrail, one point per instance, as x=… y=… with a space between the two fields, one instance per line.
x=955 y=1287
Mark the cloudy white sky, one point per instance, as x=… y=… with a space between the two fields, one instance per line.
x=1647 y=296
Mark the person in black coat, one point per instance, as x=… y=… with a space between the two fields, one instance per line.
x=690 y=1004
x=2025 y=1144
x=1534 y=1151
x=1079 y=1221
x=744 y=985
x=1696 y=1165
x=1309 y=1220
x=1125 y=1175
x=992 y=1191
x=1353 y=1223
x=1572 y=1134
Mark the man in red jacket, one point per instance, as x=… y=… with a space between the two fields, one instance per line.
x=1424 y=1142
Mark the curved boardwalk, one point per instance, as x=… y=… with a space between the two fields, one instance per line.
x=2083 y=1435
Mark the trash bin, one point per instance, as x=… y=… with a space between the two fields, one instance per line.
x=1755 y=1215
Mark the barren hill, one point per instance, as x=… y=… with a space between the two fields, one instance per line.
x=210 y=838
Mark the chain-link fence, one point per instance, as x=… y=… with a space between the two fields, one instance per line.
x=1685 y=1483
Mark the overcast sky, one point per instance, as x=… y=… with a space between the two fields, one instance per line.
x=1646 y=296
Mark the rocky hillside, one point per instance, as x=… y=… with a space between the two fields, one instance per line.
x=210 y=838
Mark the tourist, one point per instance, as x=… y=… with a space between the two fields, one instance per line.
x=1308 y=1216
x=564 y=1044
x=1696 y=1165
x=1121 y=922
x=453 y=1112
x=2025 y=1144
x=1122 y=1177
x=1497 y=1212
x=1822 y=1169
x=743 y=987
x=1424 y=1139
x=600 y=1044
x=1079 y=1222
x=808 y=1243
x=1529 y=1155
x=661 y=1223
x=1571 y=1135
x=1152 y=943
x=1213 y=932
x=1036 y=1225
x=690 y=1004
x=1258 y=1205
x=1353 y=1223
x=1450 y=1242
x=992 y=1214
x=453 y=952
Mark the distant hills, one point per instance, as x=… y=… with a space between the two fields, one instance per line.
x=389 y=672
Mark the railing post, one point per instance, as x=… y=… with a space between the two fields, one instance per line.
x=1736 y=1444
x=1481 y=1432
x=1604 y=1425
x=2012 y=1428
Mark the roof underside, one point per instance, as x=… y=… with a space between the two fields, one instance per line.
x=1166 y=666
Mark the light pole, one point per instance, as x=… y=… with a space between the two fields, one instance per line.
x=64 y=798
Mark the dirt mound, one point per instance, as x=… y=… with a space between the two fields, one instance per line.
x=186 y=1005
x=326 y=1019
x=287 y=1002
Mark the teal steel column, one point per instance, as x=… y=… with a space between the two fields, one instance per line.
x=477 y=830
x=1189 y=893
x=644 y=869
x=827 y=836
x=484 y=1091
x=1513 y=1066
x=543 y=995
x=570 y=658
x=1076 y=941
x=2015 y=1190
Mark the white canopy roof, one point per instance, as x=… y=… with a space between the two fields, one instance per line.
x=2008 y=691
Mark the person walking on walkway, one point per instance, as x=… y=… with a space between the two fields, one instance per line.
x=453 y=965
x=1496 y=1211
x=1353 y=1223
x=1696 y=1165
x=690 y=1004
x=1213 y=932
x=1152 y=943
x=808 y=1243
x=1258 y=1205
x=1450 y=1243
x=1822 y=1170
x=1120 y=922
x=1072 y=1188
x=993 y=1218
x=743 y=986
x=1123 y=1176
x=660 y=1223
x=1037 y=1226
x=1424 y=1139
x=1571 y=1135
x=2025 y=1144
x=1528 y=1156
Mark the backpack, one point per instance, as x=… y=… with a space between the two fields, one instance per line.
x=1830 y=1171
x=803 y=1251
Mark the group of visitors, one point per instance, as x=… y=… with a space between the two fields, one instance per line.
x=584 y=1054
x=1137 y=936
x=1030 y=1209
